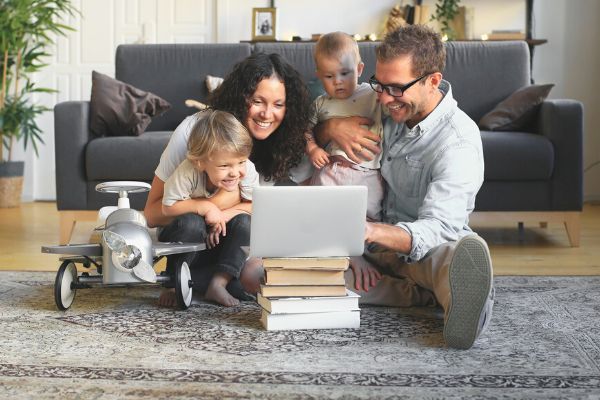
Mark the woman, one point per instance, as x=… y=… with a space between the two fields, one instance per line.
x=267 y=95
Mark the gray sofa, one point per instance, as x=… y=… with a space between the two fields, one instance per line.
x=529 y=176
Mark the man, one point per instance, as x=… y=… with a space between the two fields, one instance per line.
x=423 y=252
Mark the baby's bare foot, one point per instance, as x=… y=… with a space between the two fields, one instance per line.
x=167 y=298
x=252 y=275
x=217 y=293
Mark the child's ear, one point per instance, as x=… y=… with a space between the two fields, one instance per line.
x=198 y=164
x=360 y=68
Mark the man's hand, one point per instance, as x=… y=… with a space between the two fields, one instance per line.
x=365 y=275
x=318 y=157
x=350 y=134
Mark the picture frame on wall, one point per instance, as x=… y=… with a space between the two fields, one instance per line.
x=264 y=23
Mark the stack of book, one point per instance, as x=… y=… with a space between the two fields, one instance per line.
x=307 y=293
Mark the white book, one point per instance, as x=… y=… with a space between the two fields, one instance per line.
x=283 y=305
x=318 y=320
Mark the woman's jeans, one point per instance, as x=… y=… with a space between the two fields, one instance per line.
x=227 y=256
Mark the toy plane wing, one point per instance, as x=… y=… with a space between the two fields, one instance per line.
x=87 y=249
x=163 y=249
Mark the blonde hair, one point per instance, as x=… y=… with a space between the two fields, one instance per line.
x=336 y=44
x=217 y=131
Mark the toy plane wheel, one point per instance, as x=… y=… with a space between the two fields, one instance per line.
x=63 y=292
x=183 y=286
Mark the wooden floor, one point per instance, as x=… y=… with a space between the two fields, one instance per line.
x=534 y=251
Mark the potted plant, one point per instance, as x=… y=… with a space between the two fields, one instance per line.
x=26 y=28
x=445 y=12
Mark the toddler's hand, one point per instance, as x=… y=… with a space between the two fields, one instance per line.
x=212 y=239
x=318 y=157
x=215 y=217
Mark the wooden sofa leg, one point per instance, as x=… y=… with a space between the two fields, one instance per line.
x=543 y=225
x=68 y=219
x=573 y=226
x=67 y=225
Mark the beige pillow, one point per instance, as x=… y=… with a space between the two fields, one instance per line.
x=517 y=111
x=212 y=82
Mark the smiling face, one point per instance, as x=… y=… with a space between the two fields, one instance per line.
x=417 y=101
x=224 y=170
x=339 y=76
x=266 y=108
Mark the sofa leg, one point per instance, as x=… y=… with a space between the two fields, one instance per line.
x=573 y=227
x=67 y=223
x=571 y=219
x=543 y=225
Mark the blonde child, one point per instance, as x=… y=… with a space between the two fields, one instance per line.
x=217 y=159
x=338 y=67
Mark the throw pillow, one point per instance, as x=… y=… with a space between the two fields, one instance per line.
x=119 y=109
x=517 y=111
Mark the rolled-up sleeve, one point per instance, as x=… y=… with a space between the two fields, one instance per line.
x=456 y=176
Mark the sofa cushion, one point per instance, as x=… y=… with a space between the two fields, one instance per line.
x=518 y=111
x=517 y=156
x=119 y=109
x=126 y=157
x=484 y=73
x=176 y=72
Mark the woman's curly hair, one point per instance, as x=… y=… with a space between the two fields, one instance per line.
x=283 y=149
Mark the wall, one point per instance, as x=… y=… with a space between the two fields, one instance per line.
x=571 y=60
x=569 y=55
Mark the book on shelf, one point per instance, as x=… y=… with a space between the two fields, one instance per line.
x=302 y=290
x=283 y=276
x=284 y=305
x=340 y=263
x=317 y=320
x=506 y=34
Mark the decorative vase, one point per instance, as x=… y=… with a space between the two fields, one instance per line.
x=11 y=183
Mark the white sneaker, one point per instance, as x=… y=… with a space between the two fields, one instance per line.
x=471 y=292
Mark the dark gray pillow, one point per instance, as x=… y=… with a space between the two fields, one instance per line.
x=517 y=112
x=119 y=109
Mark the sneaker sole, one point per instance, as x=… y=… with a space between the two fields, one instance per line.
x=470 y=274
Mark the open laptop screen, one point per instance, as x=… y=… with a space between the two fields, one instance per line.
x=308 y=221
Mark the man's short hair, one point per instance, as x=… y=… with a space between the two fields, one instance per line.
x=420 y=43
x=336 y=44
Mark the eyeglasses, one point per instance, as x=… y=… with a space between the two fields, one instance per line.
x=393 y=90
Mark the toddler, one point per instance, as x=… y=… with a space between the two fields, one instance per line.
x=217 y=159
x=338 y=67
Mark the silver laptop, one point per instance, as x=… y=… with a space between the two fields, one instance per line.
x=308 y=221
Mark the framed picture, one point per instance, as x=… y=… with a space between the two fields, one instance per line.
x=264 y=23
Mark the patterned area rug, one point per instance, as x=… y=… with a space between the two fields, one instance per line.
x=543 y=343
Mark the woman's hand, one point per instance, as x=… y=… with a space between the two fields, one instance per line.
x=350 y=134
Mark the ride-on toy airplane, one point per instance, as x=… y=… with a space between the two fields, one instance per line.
x=125 y=256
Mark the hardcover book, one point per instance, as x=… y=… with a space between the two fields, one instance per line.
x=281 y=276
x=300 y=290
x=339 y=263
x=318 y=320
x=283 y=305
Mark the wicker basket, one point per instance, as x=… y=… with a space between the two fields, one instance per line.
x=11 y=183
x=10 y=191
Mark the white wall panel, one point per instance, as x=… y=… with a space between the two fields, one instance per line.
x=97 y=31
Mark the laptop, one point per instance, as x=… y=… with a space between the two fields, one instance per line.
x=308 y=221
